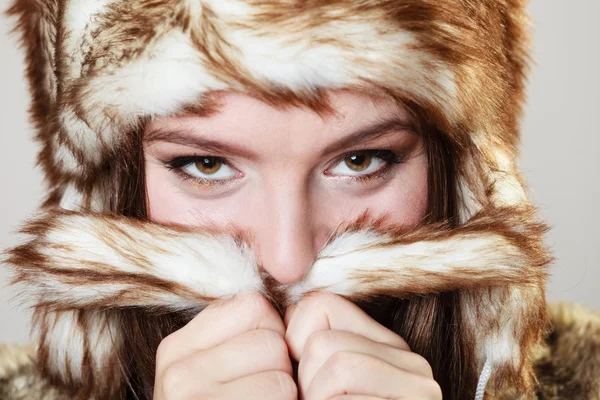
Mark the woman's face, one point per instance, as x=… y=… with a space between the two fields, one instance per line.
x=287 y=177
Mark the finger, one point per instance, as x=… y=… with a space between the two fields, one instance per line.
x=220 y=322
x=361 y=374
x=274 y=385
x=322 y=345
x=325 y=311
x=249 y=353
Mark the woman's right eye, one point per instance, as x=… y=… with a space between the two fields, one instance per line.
x=203 y=167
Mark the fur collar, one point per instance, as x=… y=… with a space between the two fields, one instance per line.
x=77 y=269
x=567 y=363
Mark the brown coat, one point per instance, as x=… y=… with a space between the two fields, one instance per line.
x=567 y=365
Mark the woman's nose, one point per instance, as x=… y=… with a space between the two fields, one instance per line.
x=285 y=239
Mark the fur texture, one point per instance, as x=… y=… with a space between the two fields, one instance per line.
x=99 y=69
x=20 y=378
x=567 y=364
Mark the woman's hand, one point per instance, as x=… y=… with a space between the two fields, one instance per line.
x=345 y=354
x=231 y=350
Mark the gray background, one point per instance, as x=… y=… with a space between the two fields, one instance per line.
x=560 y=150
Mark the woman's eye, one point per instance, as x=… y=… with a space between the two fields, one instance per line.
x=364 y=162
x=204 y=167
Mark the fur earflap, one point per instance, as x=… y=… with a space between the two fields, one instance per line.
x=78 y=270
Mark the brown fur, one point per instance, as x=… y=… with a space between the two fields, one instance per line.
x=567 y=363
x=20 y=378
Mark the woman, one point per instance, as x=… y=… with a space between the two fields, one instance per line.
x=284 y=199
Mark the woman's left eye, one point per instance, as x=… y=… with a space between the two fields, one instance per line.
x=203 y=167
x=363 y=163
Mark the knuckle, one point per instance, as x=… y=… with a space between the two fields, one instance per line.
x=318 y=298
x=421 y=365
x=164 y=347
x=320 y=342
x=316 y=303
x=431 y=389
x=287 y=386
x=403 y=344
x=339 y=365
x=174 y=378
x=260 y=306
x=272 y=340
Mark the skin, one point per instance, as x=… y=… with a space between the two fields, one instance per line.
x=297 y=182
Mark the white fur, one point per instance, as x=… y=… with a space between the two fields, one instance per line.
x=211 y=266
x=508 y=190
x=81 y=135
x=64 y=158
x=501 y=172
x=80 y=22
x=361 y=254
x=502 y=346
x=501 y=313
x=65 y=343
x=103 y=336
x=215 y=266
x=468 y=204
x=159 y=83
x=72 y=198
x=296 y=60
x=48 y=30
x=66 y=334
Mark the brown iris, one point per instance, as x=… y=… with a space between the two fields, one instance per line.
x=209 y=165
x=358 y=161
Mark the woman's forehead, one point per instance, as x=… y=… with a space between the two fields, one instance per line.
x=234 y=114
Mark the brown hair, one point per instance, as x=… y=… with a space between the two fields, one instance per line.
x=431 y=325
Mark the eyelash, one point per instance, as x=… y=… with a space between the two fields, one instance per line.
x=178 y=163
x=390 y=158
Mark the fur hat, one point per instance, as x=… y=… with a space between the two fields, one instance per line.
x=99 y=68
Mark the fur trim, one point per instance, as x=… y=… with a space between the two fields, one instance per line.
x=77 y=266
x=567 y=364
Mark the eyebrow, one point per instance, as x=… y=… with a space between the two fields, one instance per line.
x=186 y=138
x=372 y=132
x=363 y=135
